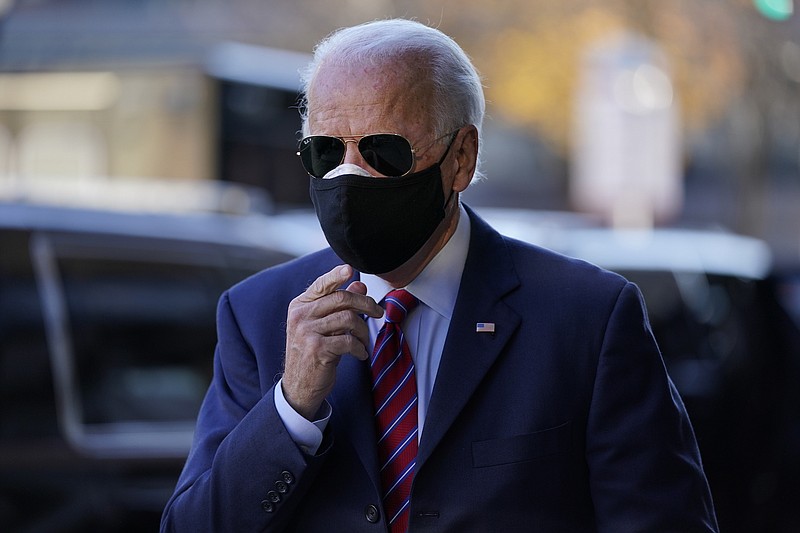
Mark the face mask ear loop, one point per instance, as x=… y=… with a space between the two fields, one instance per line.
x=449 y=144
x=447 y=201
x=441 y=160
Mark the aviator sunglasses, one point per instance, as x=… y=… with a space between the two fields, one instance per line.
x=390 y=154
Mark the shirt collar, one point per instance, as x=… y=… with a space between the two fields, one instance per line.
x=437 y=285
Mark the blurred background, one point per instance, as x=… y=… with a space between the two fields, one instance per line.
x=147 y=162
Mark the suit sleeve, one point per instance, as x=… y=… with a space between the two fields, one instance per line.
x=244 y=471
x=644 y=464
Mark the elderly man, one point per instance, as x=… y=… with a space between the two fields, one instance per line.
x=425 y=373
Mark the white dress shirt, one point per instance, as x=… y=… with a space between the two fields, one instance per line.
x=425 y=329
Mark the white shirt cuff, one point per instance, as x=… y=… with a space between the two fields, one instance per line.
x=305 y=433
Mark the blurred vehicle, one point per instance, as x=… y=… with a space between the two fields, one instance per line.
x=722 y=318
x=106 y=342
x=107 y=336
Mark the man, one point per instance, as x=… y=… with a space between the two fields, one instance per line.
x=538 y=400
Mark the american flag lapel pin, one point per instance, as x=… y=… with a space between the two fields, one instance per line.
x=484 y=327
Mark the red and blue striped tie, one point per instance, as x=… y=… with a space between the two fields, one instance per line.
x=394 y=393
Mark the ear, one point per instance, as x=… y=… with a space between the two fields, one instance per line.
x=465 y=147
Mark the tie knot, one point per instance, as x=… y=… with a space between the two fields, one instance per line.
x=399 y=303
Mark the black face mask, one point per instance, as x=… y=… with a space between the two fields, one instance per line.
x=377 y=224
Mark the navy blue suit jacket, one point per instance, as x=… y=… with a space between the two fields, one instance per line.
x=564 y=419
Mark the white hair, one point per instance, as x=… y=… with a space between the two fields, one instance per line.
x=458 y=98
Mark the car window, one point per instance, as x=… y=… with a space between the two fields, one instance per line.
x=27 y=405
x=140 y=334
x=131 y=331
x=701 y=324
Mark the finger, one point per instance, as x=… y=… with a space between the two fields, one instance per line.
x=343 y=322
x=357 y=287
x=361 y=333
x=327 y=297
x=355 y=297
x=353 y=301
x=328 y=283
x=347 y=344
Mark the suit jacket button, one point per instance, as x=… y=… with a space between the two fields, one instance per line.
x=273 y=496
x=372 y=514
x=268 y=506
x=281 y=487
x=287 y=477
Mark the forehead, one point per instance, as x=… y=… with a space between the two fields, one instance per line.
x=356 y=99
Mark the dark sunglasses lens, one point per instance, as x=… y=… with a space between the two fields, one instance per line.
x=390 y=155
x=321 y=154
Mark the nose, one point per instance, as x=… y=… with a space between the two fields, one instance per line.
x=352 y=155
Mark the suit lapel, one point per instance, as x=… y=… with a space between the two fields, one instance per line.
x=352 y=408
x=469 y=354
